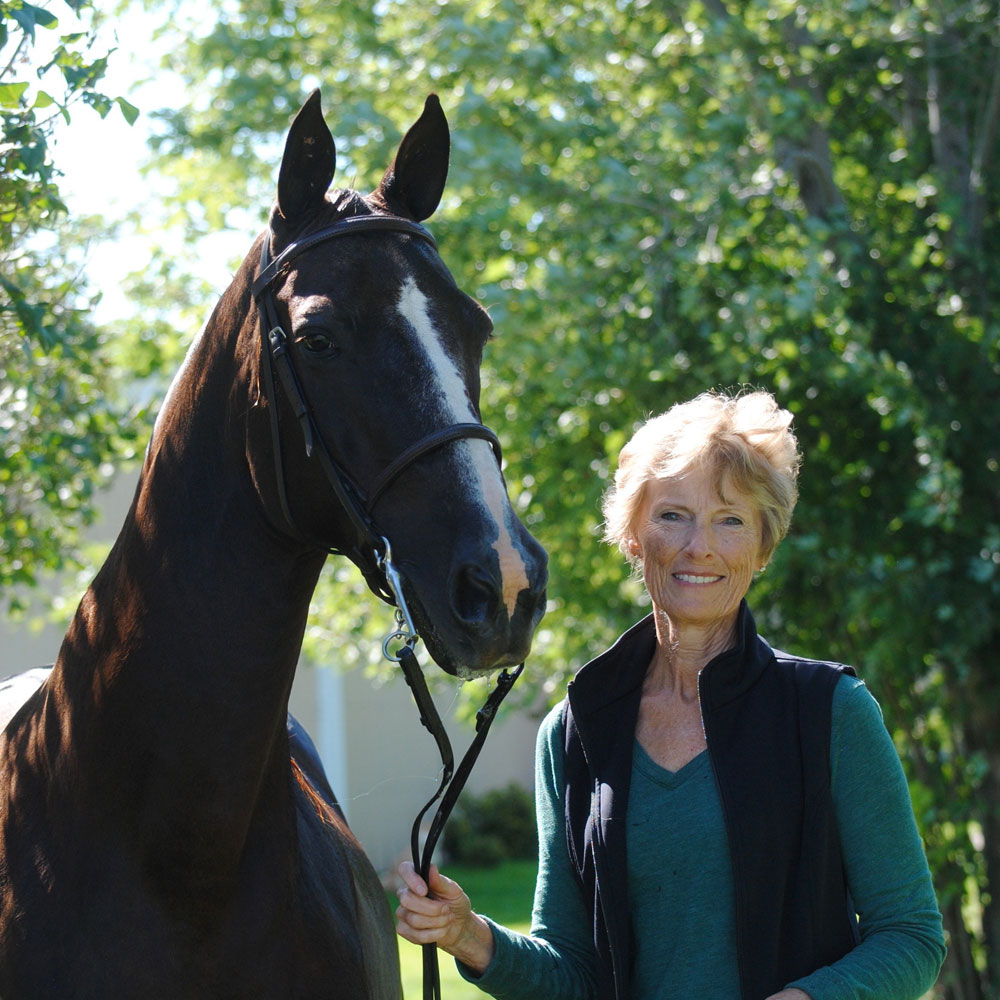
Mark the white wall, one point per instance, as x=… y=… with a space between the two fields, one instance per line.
x=381 y=763
x=384 y=765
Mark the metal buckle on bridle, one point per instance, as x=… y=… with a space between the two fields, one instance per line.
x=405 y=630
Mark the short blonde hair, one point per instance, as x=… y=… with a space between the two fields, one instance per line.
x=745 y=440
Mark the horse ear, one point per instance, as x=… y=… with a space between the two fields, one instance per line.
x=308 y=163
x=413 y=184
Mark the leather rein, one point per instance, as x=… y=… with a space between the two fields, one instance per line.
x=370 y=550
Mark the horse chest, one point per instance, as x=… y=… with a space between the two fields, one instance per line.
x=294 y=938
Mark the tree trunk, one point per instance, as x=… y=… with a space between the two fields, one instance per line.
x=991 y=910
x=959 y=975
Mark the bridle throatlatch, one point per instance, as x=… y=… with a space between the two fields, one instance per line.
x=371 y=551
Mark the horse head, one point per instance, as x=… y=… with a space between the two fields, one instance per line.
x=369 y=358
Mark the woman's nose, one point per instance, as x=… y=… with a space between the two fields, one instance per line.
x=699 y=540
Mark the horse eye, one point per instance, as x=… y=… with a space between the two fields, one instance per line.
x=317 y=342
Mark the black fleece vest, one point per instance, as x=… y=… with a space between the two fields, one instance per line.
x=767 y=722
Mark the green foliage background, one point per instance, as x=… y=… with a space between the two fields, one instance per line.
x=653 y=199
x=63 y=415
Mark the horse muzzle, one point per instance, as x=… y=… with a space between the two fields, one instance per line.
x=486 y=618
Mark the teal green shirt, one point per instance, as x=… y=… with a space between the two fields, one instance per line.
x=681 y=884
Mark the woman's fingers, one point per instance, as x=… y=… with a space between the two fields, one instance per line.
x=421 y=920
x=443 y=887
x=422 y=928
x=434 y=913
x=440 y=913
x=413 y=892
x=421 y=917
x=411 y=879
x=425 y=906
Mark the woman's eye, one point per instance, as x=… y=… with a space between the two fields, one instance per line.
x=670 y=515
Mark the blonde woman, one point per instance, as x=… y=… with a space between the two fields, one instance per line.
x=716 y=818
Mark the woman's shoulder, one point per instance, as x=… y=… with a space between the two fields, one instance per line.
x=814 y=677
x=853 y=705
x=855 y=709
x=550 y=730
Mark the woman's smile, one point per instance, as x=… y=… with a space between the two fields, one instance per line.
x=699 y=550
x=692 y=578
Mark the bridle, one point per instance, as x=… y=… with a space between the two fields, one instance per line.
x=370 y=550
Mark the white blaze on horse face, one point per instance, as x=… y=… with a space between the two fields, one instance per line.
x=458 y=409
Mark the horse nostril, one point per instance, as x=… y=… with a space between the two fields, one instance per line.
x=475 y=594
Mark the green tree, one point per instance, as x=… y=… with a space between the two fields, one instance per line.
x=655 y=199
x=61 y=418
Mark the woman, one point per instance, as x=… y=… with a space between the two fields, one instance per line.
x=784 y=863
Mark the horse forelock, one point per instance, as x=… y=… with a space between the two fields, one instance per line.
x=338 y=204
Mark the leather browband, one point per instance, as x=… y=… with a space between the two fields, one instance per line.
x=342 y=227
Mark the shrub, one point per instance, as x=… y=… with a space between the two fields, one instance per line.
x=496 y=826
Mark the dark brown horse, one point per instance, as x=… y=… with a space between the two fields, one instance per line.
x=164 y=833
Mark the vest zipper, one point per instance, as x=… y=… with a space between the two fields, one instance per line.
x=730 y=837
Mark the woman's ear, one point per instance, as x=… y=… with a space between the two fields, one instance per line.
x=634 y=548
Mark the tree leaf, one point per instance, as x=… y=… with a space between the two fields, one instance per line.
x=129 y=111
x=11 y=94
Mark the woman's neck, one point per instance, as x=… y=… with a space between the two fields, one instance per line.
x=684 y=649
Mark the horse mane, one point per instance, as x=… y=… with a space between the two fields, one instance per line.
x=349 y=203
x=324 y=810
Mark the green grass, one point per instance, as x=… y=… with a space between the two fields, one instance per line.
x=503 y=893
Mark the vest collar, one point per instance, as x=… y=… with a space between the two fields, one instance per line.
x=620 y=670
x=733 y=672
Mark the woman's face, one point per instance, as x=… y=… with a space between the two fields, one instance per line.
x=699 y=553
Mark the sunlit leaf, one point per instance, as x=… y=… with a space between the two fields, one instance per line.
x=129 y=111
x=11 y=94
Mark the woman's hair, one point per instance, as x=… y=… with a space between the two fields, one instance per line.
x=746 y=443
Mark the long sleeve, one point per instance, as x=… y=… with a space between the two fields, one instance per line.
x=902 y=946
x=556 y=959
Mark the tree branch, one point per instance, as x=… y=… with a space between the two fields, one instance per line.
x=987 y=128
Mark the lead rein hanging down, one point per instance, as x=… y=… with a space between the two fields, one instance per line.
x=452 y=781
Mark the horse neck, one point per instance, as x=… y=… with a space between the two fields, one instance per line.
x=179 y=662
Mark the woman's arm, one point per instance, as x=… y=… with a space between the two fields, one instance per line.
x=902 y=946
x=556 y=960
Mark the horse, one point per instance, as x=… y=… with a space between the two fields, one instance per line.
x=167 y=829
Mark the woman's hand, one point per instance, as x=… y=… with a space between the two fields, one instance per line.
x=441 y=914
x=792 y=994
